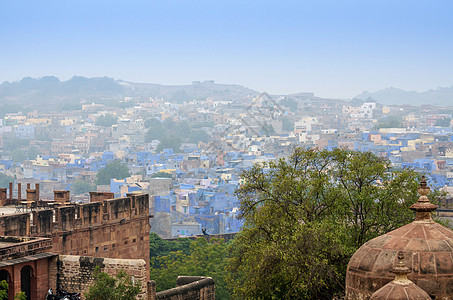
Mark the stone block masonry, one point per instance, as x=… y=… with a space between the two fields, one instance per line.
x=188 y=288
x=75 y=273
x=113 y=228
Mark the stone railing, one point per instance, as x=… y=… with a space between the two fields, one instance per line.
x=188 y=287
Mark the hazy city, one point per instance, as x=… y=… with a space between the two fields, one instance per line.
x=201 y=150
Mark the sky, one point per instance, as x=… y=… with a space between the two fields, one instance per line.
x=335 y=48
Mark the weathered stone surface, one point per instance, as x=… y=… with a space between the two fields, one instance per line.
x=75 y=273
x=428 y=248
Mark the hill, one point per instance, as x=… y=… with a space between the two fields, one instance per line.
x=51 y=93
x=439 y=97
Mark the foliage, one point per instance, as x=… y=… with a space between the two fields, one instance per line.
x=444 y=122
x=71 y=106
x=289 y=103
x=161 y=175
x=12 y=143
x=267 y=130
x=3 y=290
x=304 y=217
x=19 y=155
x=389 y=122
x=160 y=247
x=287 y=124
x=5 y=180
x=20 y=296
x=171 y=134
x=81 y=187
x=7 y=108
x=106 y=120
x=170 y=259
x=172 y=141
x=116 y=169
x=106 y=287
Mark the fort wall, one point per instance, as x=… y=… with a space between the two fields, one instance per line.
x=75 y=273
x=114 y=228
x=188 y=287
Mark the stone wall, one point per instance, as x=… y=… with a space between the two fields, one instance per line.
x=75 y=273
x=114 y=228
x=225 y=236
x=188 y=287
x=16 y=247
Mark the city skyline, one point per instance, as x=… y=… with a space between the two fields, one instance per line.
x=333 y=49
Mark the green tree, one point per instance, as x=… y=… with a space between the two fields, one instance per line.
x=152 y=122
x=3 y=290
x=161 y=175
x=267 y=130
x=304 y=216
x=5 y=180
x=81 y=187
x=287 y=124
x=116 y=170
x=20 y=296
x=106 y=120
x=171 y=134
x=390 y=122
x=289 y=103
x=106 y=287
x=183 y=257
x=444 y=122
x=171 y=141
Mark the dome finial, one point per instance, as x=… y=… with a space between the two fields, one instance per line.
x=401 y=270
x=423 y=207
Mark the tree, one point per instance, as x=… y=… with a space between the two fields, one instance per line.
x=304 y=216
x=116 y=169
x=20 y=296
x=106 y=287
x=389 y=122
x=191 y=258
x=161 y=175
x=289 y=103
x=444 y=122
x=5 y=180
x=81 y=187
x=106 y=120
x=171 y=141
x=267 y=129
x=287 y=124
x=3 y=290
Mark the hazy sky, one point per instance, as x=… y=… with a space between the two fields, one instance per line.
x=334 y=48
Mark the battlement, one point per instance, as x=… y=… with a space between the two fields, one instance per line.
x=112 y=228
x=75 y=216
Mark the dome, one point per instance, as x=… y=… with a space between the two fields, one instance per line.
x=428 y=247
x=401 y=288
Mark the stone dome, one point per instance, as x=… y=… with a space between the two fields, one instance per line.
x=428 y=247
x=401 y=288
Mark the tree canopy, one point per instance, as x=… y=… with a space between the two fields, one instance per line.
x=106 y=287
x=304 y=216
x=392 y=121
x=170 y=259
x=116 y=170
x=80 y=187
x=5 y=180
x=106 y=120
x=3 y=290
x=171 y=134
